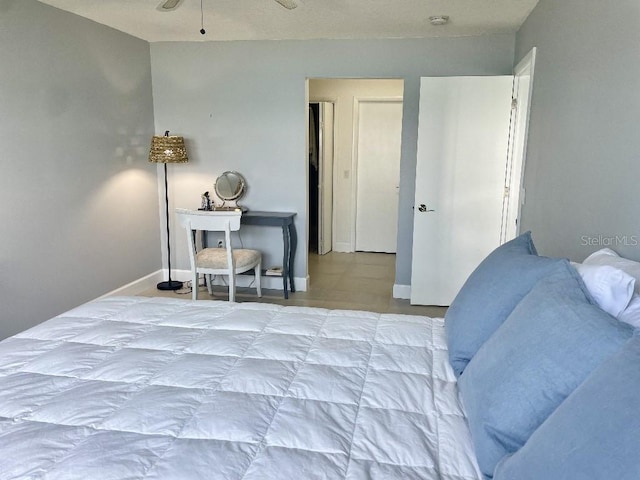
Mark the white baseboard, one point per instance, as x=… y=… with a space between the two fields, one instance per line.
x=150 y=281
x=301 y=283
x=402 y=291
x=272 y=283
x=137 y=286
x=342 y=247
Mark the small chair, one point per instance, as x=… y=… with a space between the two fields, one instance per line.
x=218 y=261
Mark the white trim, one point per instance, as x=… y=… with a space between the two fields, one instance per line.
x=516 y=160
x=528 y=62
x=137 y=286
x=302 y=284
x=150 y=281
x=353 y=200
x=342 y=247
x=272 y=283
x=402 y=291
x=268 y=282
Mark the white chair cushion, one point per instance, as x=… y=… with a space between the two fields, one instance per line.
x=217 y=258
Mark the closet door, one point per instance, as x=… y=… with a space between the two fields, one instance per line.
x=463 y=134
x=379 y=134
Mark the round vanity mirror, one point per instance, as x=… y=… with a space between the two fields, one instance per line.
x=230 y=186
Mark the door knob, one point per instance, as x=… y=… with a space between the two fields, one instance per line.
x=423 y=208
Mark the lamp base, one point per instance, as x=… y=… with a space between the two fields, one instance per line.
x=170 y=285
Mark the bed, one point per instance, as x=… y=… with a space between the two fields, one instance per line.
x=542 y=352
x=161 y=388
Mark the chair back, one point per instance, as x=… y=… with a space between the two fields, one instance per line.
x=209 y=221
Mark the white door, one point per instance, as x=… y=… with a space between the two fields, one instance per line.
x=514 y=189
x=325 y=179
x=463 y=132
x=379 y=132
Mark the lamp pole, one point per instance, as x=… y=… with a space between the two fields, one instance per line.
x=170 y=284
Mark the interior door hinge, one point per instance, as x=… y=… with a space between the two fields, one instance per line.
x=514 y=103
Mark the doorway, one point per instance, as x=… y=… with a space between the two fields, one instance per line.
x=345 y=95
x=313 y=187
x=320 y=188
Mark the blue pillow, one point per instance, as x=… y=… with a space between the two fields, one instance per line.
x=550 y=343
x=490 y=294
x=594 y=434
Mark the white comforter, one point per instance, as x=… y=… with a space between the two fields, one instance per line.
x=133 y=388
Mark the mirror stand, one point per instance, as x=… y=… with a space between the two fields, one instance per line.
x=230 y=187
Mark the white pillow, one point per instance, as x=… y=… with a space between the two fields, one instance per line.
x=631 y=315
x=610 y=287
x=606 y=256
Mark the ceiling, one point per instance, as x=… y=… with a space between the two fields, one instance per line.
x=312 y=19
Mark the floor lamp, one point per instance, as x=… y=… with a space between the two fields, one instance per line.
x=168 y=149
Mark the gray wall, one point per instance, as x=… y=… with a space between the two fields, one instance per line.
x=583 y=161
x=78 y=201
x=241 y=106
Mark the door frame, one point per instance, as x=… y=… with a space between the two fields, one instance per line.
x=354 y=155
x=516 y=162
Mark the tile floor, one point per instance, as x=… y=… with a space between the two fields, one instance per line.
x=351 y=281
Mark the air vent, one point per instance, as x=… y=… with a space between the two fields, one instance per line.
x=439 y=20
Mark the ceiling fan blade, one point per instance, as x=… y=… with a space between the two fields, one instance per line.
x=289 y=4
x=169 y=5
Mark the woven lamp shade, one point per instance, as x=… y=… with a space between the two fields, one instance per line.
x=168 y=149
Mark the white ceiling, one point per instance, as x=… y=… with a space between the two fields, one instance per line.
x=312 y=19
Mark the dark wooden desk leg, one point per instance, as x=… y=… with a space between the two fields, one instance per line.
x=285 y=260
x=293 y=235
